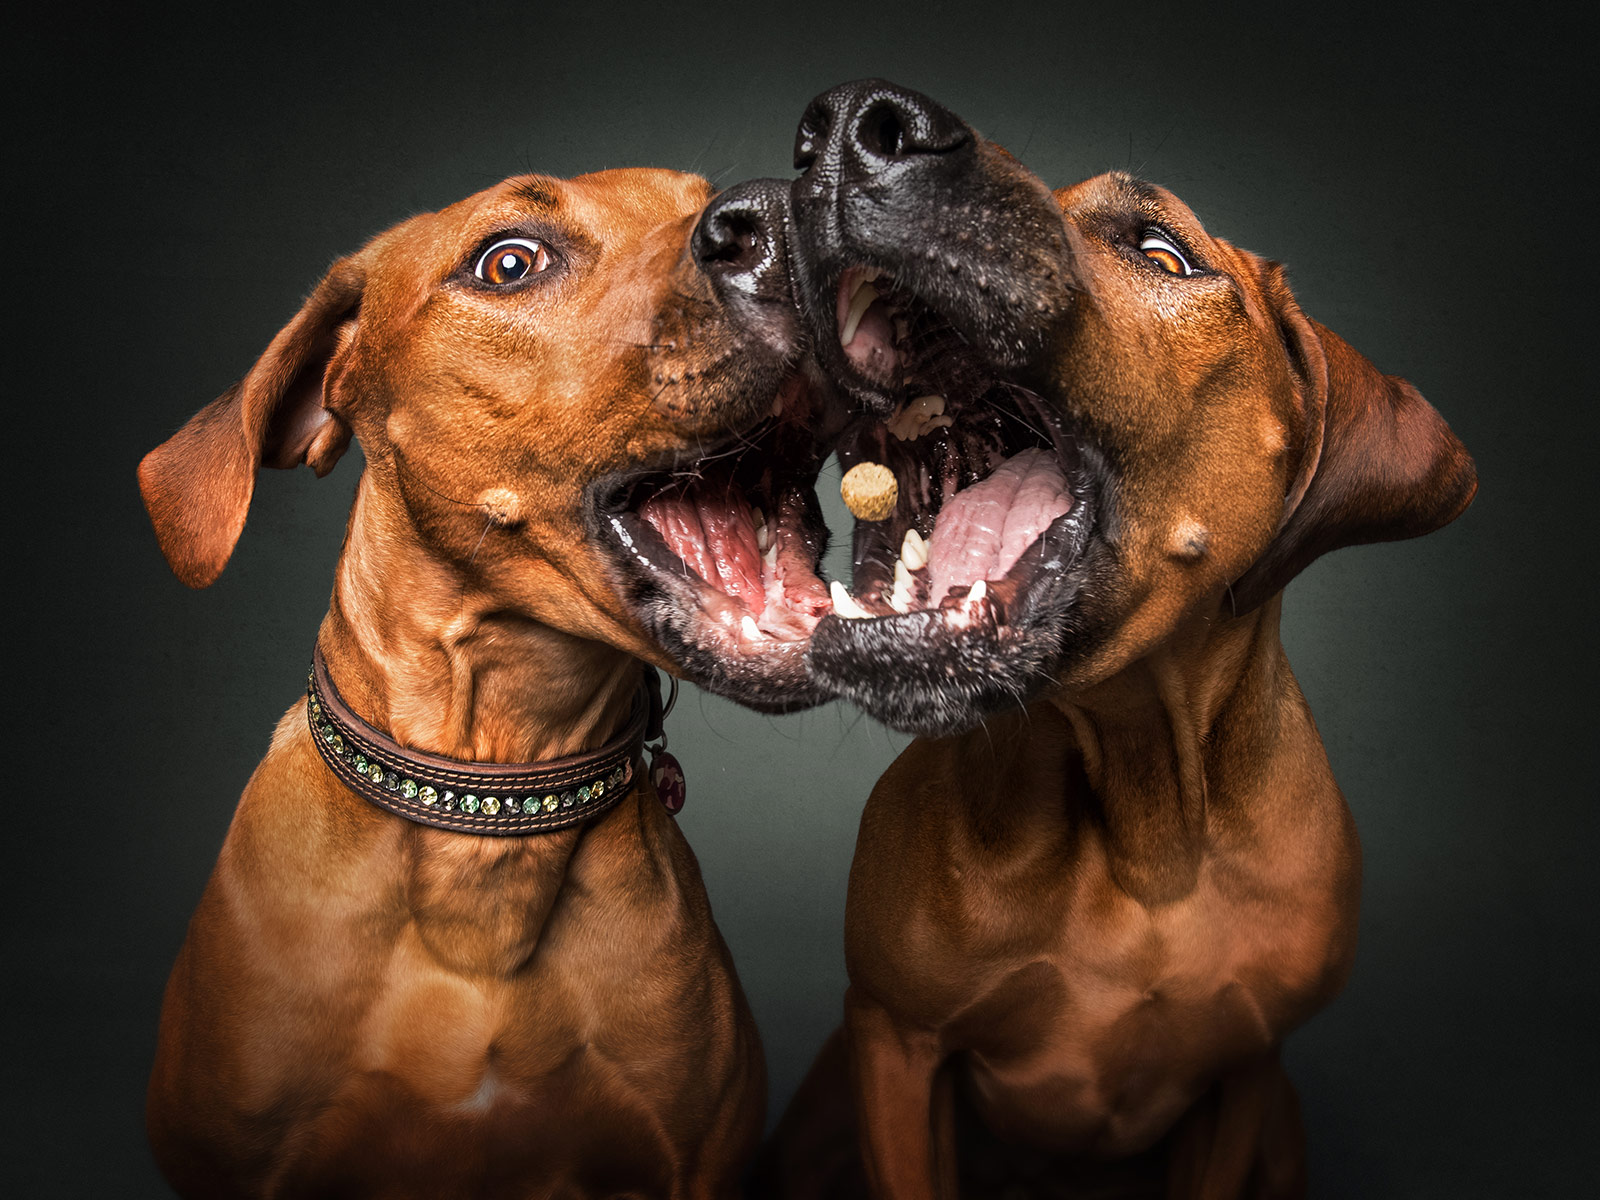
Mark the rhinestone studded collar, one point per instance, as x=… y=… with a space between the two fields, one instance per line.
x=474 y=797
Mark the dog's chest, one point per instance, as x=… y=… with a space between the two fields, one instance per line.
x=1085 y=1020
x=1104 y=1038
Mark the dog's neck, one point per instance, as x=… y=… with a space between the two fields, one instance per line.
x=421 y=655
x=1158 y=741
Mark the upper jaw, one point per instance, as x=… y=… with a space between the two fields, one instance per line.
x=858 y=289
x=933 y=309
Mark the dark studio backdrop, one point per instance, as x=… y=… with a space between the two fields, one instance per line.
x=177 y=183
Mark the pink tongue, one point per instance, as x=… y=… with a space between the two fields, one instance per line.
x=983 y=529
x=713 y=532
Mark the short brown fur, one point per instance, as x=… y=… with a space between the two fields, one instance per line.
x=368 y=1007
x=1088 y=925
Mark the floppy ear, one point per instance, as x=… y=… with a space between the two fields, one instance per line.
x=197 y=485
x=1380 y=463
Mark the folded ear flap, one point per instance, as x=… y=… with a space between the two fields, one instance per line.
x=1386 y=465
x=197 y=485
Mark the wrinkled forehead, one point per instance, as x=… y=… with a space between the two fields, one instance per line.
x=599 y=212
x=604 y=205
x=1119 y=196
x=1119 y=203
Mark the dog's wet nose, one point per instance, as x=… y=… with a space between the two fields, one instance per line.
x=741 y=244
x=741 y=232
x=871 y=125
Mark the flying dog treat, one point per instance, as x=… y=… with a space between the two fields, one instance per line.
x=869 y=490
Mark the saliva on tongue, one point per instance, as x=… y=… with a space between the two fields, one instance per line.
x=984 y=528
x=712 y=530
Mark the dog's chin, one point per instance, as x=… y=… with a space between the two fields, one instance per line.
x=967 y=598
x=937 y=672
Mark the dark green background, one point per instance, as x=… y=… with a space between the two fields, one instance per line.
x=177 y=183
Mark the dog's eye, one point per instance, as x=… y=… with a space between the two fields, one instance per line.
x=512 y=259
x=1164 y=254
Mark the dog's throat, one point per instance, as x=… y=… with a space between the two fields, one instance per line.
x=496 y=799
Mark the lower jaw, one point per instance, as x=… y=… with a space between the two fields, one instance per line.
x=947 y=686
x=984 y=635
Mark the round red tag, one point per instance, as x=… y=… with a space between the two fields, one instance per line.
x=667 y=776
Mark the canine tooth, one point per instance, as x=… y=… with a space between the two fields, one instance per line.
x=859 y=303
x=844 y=604
x=978 y=592
x=770 y=556
x=763 y=535
x=750 y=629
x=899 y=601
x=902 y=574
x=914 y=551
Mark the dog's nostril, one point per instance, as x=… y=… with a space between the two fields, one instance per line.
x=733 y=240
x=808 y=138
x=883 y=133
x=729 y=241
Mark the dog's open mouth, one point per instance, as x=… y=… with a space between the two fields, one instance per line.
x=960 y=591
x=958 y=597
x=722 y=553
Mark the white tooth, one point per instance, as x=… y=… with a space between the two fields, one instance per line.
x=914 y=550
x=932 y=406
x=978 y=592
x=749 y=628
x=899 y=601
x=844 y=604
x=902 y=574
x=859 y=303
x=763 y=535
x=771 y=555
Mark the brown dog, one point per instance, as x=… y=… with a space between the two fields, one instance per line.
x=1089 y=923
x=544 y=378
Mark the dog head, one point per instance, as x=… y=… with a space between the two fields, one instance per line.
x=564 y=390
x=1103 y=419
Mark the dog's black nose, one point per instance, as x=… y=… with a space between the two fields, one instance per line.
x=741 y=244
x=871 y=125
x=741 y=233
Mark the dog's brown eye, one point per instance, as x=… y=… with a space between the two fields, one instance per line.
x=512 y=259
x=1164 y=254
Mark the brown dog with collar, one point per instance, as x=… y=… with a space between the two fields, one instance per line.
x=1077 y=934
x=551 y=381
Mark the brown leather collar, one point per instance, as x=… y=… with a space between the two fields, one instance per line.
x=476 y=797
